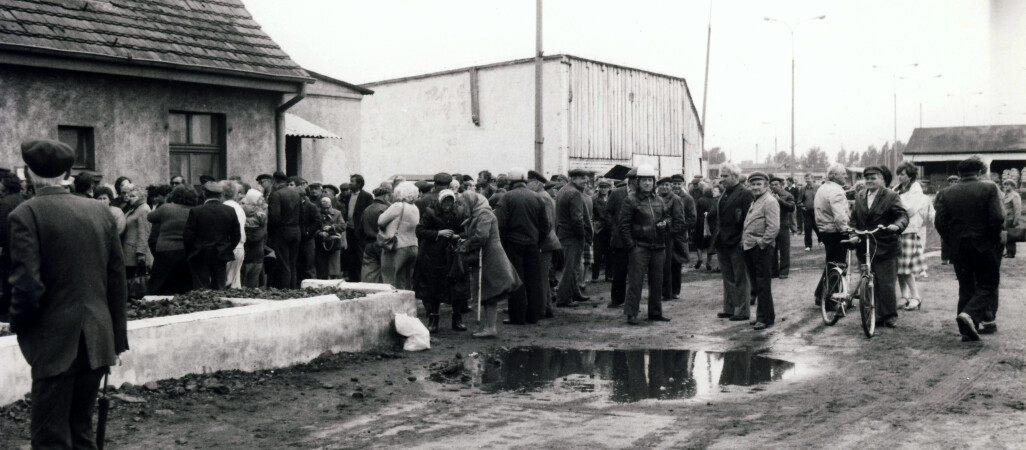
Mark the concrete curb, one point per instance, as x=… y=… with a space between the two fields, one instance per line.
x=264 y=334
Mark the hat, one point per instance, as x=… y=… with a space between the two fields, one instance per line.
x=871 y=169
x=381 y=190
x=344 y=186
x=605 y=183
x=422 y=185
x=550 y=185
x=533 y=175
x=776 y=178
x=46 y=158
x=442 y=179
x=517 y=174
x=316 y=186
x=633 y=173
x=279 y=177
x=264 y=176
x=662 y=180
x=213 y=187
x=446 y=193
x=756 y=176
x=677 y=178
x=578 y=173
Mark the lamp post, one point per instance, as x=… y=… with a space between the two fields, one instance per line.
x=791 y=28
x=920 y=83
x=894 y=86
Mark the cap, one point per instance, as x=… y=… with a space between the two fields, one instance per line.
x=264 y=176
x=677 y=178
x=422 y=185
x=46 y=158
x=534 y=175
x=871 y=169
x=517 y=174
x=213 y=187
x=551 y=184
x=344 y=186
x=776 y=178
x=664 y=180
x=442 y=179
x=577 y=173
x=1009 y=181
x=605 y=183
x=316 y=186
x=757 y=176
x=446 y=193
x=252 y=196
x=279 y=177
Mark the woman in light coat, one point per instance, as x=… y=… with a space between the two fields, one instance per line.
x=911 y=261
x=493 y=277
x=400 y=220
x=137 y=231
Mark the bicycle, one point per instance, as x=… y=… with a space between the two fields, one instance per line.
x=835 y=288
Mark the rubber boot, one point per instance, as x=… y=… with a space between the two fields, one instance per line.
x=433 y=323
x=457 y=322
x=489 y=327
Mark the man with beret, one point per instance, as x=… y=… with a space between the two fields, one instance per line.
x=573 y=228
x=672 y=262
x=618 y=252
x=603 y=224
x=284 y=210
x=211 y=234
x=782 y=248
x=550 y=245
x=524 y=226
x=68 y=298
x=759 y=236
x=875 y=207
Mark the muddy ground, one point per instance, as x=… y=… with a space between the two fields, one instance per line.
x=915 y=386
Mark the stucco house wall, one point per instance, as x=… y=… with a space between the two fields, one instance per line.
x=336 y=109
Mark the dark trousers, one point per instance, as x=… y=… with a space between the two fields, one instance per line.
x=885 y=277
x=307 y=261
x=1010 y=248
x=736 y=286
x=645 y=261
x=601 y=249
x=285 y=243
x=170 y=274
x=619 y=258
x=758 y=262
x=810 y=226
x=836 y=252
x=208 y=273
x=251 y=274
x=544 y=267
x=979 y=274
x=352 y=257
x=781 y=259
x=799 y=218
x=945 y=250
x=569 y=286
x=63 y=405
x=526 y=304
x=671 y=275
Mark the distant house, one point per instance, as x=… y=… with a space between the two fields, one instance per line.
x=937 y=151
x=146 y=88
x=595 y=115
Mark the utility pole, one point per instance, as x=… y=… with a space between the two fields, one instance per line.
x=705 y=89
x=539 y=137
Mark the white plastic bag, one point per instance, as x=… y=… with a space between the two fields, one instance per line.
x=417 y=335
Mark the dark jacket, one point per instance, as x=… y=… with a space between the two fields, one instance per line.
x=309 y=219
x=601 y=219
x=363 y=200
x=212 y=231
x=969 y=214
x=426 y=201
x=886 y=210
x=572 y=218
x=787 y=206
x=690 y=210
x=675 y=237
x=522 y=217
x=808 y=194
x=367 y=231
x=7 y=204
x=433 y=258
x=68 y=281
x=731 y=211
x=284 y=208
x=637 y=221
x=613 y=207
x=170 y=219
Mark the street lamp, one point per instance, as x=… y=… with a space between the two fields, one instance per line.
x=920 y=82
x=791 y=28
x=894 y=86
x=962 y=98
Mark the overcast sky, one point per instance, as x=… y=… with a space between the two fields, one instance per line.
x=976 y=46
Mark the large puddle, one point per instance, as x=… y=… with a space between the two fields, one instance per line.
x=623 y=375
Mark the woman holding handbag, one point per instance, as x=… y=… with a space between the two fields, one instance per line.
x=329 y=240
x=398 y=237
x=492 y=275
x=134 y=242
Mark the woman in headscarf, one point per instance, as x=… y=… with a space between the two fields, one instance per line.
x=137 y=231
x=911 y=261
x=438 y=233
x=400 y=221
x=170 y=270
x=492 y=277
x=329 y=240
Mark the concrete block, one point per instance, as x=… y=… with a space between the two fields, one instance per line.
x=265 y=334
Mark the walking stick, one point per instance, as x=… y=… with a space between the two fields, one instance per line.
x=101 y=423
x=480 y=273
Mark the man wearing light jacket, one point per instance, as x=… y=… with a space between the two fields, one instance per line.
x=762 y=224
x=832 y=216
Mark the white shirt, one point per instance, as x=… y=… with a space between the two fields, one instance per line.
x=242 y=220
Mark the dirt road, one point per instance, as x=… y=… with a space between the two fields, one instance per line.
x=915 y=386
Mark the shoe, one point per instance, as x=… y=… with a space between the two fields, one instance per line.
x=753 y=322
x=967 y=327
x=432 y=323
x=457 y=323
x=566 y=305
x=510 y=322
x=808 y=249
x=891 y=322
x=988 y=328
x=631 y=320
x=658 y=319
x=582 y=287
x=466 y=310
x=612 y=305
x=582 y=299
x=904 y=304
x=944 y=262
x=913 y=305
x=737 y=318
x=1009 y=257
x=762 y=326
x=675 y=296
x=723 y=315
x=783 y=276
x=548 y=313
x=698 y=265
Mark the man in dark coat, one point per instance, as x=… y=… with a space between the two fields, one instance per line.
x=309 y=225
x=672 y=264
x=945 y=253
x=807 y=204
x=523 y=226
x=970 y=219
x=68 y=298
x=370 y=269
x=603 y=224
x=440 y=181
x=731 y=211
x=875 y=207
x=797 y=221
x=284 y=210
x=10 y=189
x=619 y=253
x=357 y=201
x=643 y=223
x=550 y=244
x=211 y=234
x=573 y=228
x=782 y=259
x=678 y=254
x=438 y=232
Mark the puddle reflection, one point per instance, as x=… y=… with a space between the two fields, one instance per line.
x=626 y=375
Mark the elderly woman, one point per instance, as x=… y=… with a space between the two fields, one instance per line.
x=438 y=232
x=911 y=261
x=329 y=240
x=170 y=271
x=399 y=223
x=1013 y=212
x=137 y=231
x=492 y=277
x=105 y=195
x=255 y=207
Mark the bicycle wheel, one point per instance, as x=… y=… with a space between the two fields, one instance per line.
x=867 y=308
x=831 y=309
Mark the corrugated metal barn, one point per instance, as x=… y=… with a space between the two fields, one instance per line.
x=595 y=115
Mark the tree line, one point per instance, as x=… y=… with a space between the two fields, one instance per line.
x=816 y=160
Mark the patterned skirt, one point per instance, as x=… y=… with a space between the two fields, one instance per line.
x=911 y=260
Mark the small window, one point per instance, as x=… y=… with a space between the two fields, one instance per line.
x=197 y=145
x=80 y=139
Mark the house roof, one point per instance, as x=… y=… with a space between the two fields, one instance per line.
x=327 y=79
x=216 y=36
x=300 y=127
x=951 y=140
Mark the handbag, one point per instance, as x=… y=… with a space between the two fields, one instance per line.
x=389 y=243
x=138 y=284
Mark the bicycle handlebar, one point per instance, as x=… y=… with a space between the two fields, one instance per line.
x=868 y=232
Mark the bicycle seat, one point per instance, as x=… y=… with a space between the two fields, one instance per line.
x=839 y=265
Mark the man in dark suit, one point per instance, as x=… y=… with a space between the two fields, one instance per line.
x=68 y=298
x=618 y=252
x=211 y=233
x=970 y=219
x=782 y=259
x=284 y=209
x=356 y=203
x=875 y=207
x=523 y=226
x=573 y=228
x=10 y=190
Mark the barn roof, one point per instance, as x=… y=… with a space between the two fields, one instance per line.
x=983 y=139
x=216 y=36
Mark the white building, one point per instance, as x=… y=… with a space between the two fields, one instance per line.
x=596 y=115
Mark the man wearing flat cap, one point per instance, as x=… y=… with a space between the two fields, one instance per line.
x=284 y=210
x=618 y=252
x=758 y=240
x=68 y=298
x=878 y=206
x=550 y=244
x=211 y=234
x=573 y=228
x=673 y=237
x=523 y=226
x=603 y=224
x=782 y=258
x=438 y=183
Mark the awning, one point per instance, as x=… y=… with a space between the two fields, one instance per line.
x=299 y=127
